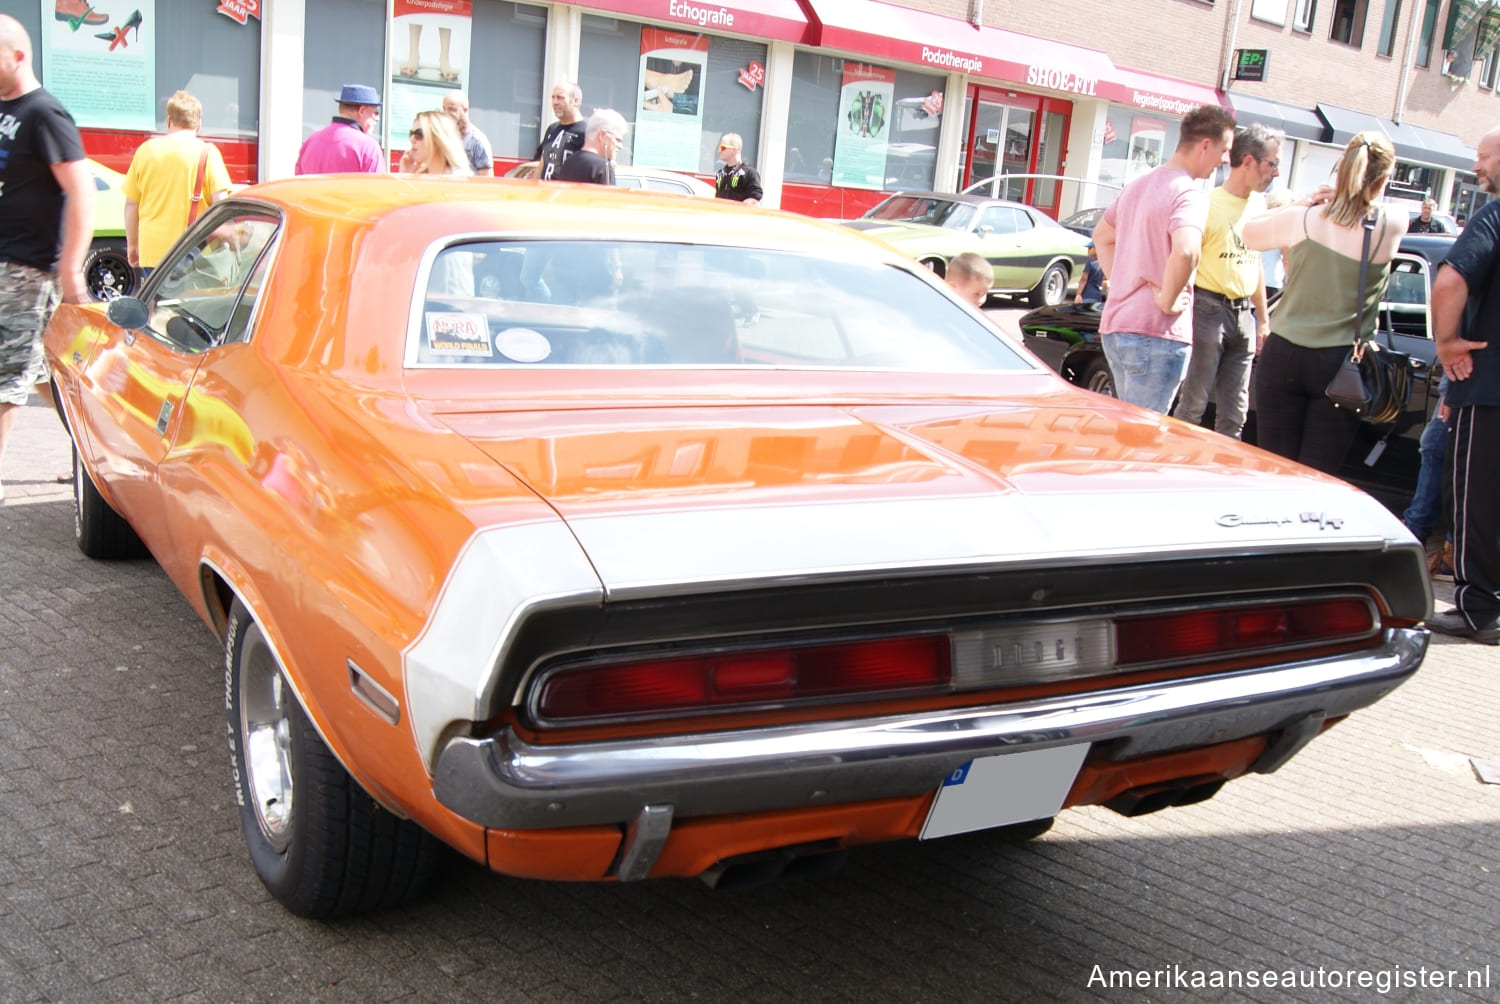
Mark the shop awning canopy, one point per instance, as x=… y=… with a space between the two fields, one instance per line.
x=1295 y=121
x=883 y=31
x=781 y=19
x=1423 y=146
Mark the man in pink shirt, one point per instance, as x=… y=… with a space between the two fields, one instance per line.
x=345 y=144
x=1149 y=242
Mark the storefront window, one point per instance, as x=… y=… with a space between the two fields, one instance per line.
x=507 y=93
x=343 y=43
x=862 y=126
x=679 y=91
x=1415 y=176
x=1134 y=142
x=214 y=58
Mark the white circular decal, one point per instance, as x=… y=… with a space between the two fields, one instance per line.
x=523 y=345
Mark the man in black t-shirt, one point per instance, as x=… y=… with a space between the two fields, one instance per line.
x=736 y=180
x=1424 y=223
x=1466 y=328
x=564 y=137
x=46 y=221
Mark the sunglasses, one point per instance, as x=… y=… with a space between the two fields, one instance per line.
x=417 y=134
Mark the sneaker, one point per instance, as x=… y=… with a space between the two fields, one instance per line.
x=1454 y=624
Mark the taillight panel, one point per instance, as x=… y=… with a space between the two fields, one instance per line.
x=962 y=658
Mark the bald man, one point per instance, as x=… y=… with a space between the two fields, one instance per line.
x=476 y=144
x=46 y=221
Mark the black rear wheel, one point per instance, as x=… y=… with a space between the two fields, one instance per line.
x=107 y=272
x=320 y=844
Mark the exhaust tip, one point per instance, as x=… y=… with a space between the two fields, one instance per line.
x=761 y=867
x=1155 y=797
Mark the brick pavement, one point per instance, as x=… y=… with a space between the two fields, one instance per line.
x=123 y=876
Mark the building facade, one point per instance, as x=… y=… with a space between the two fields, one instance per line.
x=838 y=101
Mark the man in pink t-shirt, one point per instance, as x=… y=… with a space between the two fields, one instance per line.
x=1149 y=241
x=345 y=144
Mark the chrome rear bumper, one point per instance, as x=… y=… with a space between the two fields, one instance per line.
x=507 y=783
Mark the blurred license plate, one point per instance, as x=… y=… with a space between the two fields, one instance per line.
x=1000 y=790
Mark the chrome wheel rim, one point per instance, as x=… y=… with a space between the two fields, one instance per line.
x=1057 y=284
x=266 y=728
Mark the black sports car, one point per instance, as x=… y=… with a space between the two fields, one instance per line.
x=1384 y=459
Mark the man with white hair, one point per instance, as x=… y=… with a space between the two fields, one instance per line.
x=46 y=221
x=595 y=163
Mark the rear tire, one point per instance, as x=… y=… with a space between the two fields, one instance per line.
x=319 y=843
x=107 y=272
x=101 y=532
x=1053 y=287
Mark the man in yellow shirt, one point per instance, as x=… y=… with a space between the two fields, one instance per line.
x=1229 y=293
x=160 y=183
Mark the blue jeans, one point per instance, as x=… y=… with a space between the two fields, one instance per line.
x=1427 y=501
x=1147 y=369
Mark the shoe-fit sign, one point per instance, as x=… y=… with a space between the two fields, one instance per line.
x=99 y=60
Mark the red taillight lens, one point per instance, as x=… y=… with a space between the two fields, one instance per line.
x=1228 y=632
x=722 y=682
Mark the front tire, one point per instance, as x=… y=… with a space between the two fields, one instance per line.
x=1053 y=287
x=101 y=533
x=1097 y=377
x=319 y=843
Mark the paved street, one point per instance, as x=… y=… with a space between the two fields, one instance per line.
x=123 y=875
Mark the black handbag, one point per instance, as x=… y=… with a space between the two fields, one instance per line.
x=1372 y=382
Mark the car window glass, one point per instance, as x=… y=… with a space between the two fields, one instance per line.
x=666 y=185
x=1000 y=219
x=1404 y=308
x=238 y=328
x=624 y=303
x=194 y=299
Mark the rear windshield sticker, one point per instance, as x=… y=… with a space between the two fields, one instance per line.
x=459 y=334
x=523 y=345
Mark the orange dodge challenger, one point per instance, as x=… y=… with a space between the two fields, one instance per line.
x=605 y=536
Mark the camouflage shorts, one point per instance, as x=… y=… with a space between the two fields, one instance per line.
x=27 y=299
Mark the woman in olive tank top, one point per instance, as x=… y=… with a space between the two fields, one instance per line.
x=1322 y=241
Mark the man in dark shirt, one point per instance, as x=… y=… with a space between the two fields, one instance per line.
x=1466 y=325
x=564 y=137
x=46 y=221
x=1424 y=223
x=736 y=180
x=595 y=161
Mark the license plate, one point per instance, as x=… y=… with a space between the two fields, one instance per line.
x=1000 y=790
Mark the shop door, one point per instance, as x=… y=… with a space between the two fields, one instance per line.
x=1010 y=134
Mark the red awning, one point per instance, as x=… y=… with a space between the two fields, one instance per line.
x=1162 y=94
x=885 y=31
x=782 y=19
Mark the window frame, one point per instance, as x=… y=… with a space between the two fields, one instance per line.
x=1359 y=14
x=1305 y=16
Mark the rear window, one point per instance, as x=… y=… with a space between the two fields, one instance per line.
x=605 y=304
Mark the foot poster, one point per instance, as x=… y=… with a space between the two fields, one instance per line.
x=669 y=120
x=99 y=60
x=429 y=57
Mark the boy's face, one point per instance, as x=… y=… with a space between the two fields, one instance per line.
x=976 y=291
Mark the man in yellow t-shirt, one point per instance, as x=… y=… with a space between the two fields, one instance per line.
x=1229 y=292
x=159 y=185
